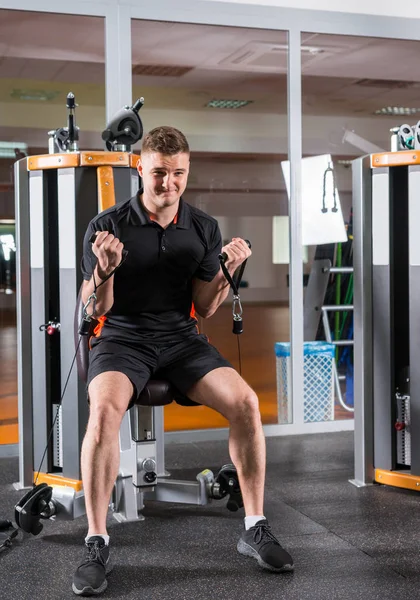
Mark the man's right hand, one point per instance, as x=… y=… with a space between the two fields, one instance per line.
x=108 y=250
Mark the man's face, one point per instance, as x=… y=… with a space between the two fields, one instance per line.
x=164 y=177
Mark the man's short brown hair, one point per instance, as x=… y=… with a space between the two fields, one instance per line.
x=165 y=140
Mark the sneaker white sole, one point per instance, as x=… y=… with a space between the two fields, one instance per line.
x=90 y=591
x=247 y=550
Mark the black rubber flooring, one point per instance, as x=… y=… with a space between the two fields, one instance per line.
x=347 y=543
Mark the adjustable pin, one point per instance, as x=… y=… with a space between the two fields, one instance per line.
x=51 y=327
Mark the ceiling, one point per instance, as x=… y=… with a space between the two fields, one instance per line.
x=183 y=66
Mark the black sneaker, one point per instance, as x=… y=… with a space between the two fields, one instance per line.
x=261 y=544
x=90 y=576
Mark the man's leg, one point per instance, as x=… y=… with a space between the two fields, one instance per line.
x=224 y=390
x=109 y=395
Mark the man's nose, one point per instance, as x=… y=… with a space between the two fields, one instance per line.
x=168 y=181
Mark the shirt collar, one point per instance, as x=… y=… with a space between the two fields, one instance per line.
x=183 y=216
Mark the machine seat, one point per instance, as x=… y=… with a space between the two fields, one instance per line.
x=155 y=393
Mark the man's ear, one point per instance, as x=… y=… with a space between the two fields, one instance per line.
x=139 y=166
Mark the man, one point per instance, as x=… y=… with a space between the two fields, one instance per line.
x=146 y=295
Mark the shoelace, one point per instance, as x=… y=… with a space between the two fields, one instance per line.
x=94 y=553
x=262 y=534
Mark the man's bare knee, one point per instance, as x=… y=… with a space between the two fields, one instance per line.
x=109 y=395
x=245 y=409
x=104 y=422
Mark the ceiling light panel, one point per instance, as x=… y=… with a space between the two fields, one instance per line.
x=228 y=103
x=34 y=95
x=399 y=111
x=161 y=70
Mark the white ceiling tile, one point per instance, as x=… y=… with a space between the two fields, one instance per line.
x=41 y=35
x=44 y=70
x=11 y=68
x=81 y=73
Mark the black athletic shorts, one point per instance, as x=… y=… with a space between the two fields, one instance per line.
x=181 y=363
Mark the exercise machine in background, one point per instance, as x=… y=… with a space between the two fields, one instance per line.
x=387 y=318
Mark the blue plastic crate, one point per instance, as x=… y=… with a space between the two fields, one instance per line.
x=318 y=381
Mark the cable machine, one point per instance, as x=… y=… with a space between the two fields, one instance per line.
x=56 y=197
x=387 y=318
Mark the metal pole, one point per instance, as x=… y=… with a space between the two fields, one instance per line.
x=295 y=224
x=24 y=325
x=118 y=77
x=363 y=350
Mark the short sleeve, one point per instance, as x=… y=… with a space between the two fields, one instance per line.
x=88 y=262
x=210 y=265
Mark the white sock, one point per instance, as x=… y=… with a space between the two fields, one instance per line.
x=251 y=521
x=105 y=537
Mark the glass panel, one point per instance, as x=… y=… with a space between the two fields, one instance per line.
x=226 y=89
x=37 y=71
x=348 y=91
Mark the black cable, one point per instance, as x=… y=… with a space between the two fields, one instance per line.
x=239 y=356
x=7 y=533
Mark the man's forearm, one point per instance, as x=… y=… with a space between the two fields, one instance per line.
x=212 y=295
x=104 y=294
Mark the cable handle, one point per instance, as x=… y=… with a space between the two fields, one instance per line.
x=223 y=256
x=233 y=283
x=84 y=326
x=237 y=306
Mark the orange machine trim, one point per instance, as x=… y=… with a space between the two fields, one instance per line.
x=53 y=480
x=106 y=188
x=89 y=159
x=53 y=161
x=398 y=479
x=133 y=160
x=395 y=159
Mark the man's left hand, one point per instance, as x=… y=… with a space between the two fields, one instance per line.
x=237 y=252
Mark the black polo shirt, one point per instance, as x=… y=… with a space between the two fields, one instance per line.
x=153 y=286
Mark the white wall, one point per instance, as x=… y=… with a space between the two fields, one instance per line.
x=409 y=8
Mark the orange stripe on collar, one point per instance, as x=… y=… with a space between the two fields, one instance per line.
x=175 y=219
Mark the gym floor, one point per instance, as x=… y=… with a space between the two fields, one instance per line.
x=347 y=543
